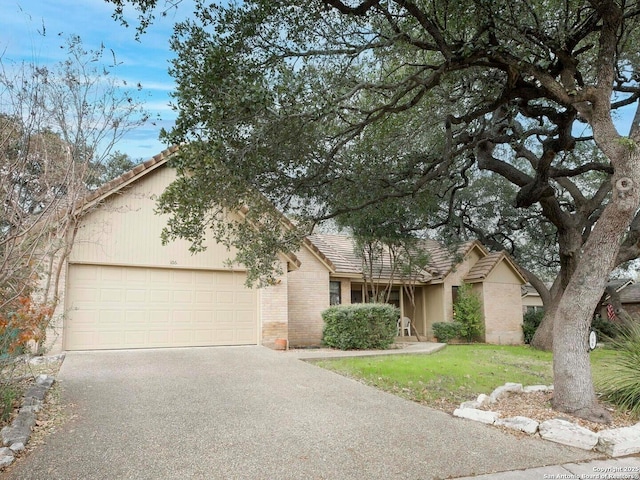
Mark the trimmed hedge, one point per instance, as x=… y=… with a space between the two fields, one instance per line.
x=365 y=326
x=445 y=331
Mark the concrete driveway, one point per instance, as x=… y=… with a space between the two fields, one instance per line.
x=249 y=412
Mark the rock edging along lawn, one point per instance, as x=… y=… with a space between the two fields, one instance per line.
x=615 y=442
x=16 y=436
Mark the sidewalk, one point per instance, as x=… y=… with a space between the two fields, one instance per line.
x=412 y=348
x=608 y=469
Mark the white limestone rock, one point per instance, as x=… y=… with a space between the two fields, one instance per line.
x=537 y=388
x=45 y=380
x=618 y=442
x=476 y=415
x=483 y=400
x=17 y=447
x=470 y=404
x=523 y=424
x=47 y=360
x=505 y=389
x=567 y=433
x=6 y=457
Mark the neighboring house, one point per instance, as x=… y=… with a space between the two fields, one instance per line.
x=531 y=299
x=630 y=298
x=124 y=289
x=621 y=294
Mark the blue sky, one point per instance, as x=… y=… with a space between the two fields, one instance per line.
x=145 y=61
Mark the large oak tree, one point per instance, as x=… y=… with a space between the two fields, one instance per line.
x=330 y=107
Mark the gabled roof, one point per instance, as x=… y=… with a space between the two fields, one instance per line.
x=442 y=260
x=529 y=290
x=618 y=284
x=485 y=266
x=126 y=178
x=630 y=293
x=339 y=249
x=135 y=174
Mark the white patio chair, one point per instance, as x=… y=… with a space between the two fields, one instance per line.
x=404 y=325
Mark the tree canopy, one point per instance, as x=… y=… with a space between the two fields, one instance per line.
x=464 y=116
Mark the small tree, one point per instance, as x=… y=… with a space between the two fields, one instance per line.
x=58 y=127
x=467 y=311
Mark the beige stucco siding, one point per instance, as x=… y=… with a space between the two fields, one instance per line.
x=433 y=307
x=416 y=312
x=124 y=230
x=531 y=301
x=308 y=297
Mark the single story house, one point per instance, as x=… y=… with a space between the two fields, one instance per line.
x=531 y=299
x=124 y=289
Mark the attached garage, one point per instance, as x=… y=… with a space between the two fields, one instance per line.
x=130 y=307
x=124 y=289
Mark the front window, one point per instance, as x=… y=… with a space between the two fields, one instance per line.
x=454 y=294
x=334 y=293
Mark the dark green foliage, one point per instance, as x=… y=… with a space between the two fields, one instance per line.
x=360 y=327
x=605 y=328
x=619 y=382
x=467 y=312
x=530 y=323
x=446 y=331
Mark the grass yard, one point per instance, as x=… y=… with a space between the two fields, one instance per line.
x=454 y=374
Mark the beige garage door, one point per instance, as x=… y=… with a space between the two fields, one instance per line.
x=128 y=307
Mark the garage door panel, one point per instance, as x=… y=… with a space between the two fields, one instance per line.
x=183 y=296
x=160 y=296
x=136 y=296
x=110 y=294
x=127 y=307
x=112 y=274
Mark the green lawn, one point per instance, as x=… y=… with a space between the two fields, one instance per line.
x=453 y=375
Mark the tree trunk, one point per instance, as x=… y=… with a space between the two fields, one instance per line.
x=543 y=338
x=574 y=392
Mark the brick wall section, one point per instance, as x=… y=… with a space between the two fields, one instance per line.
x=53 y=343
x=273 y=310
x=308 y=298
x=345 y=290
x=502 y=313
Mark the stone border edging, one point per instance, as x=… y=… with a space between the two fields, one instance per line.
x=615 y=442
x=16 y=436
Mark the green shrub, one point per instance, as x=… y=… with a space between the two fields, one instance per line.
x=530 y=323
x=467 y=311
x=604 y=327
x=446 y=331
x=619 y=380
x=360 y=327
